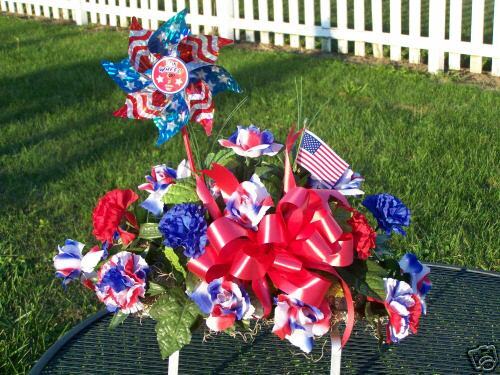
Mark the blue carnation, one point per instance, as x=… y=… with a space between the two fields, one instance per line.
x=390 y=212
x=184 y=225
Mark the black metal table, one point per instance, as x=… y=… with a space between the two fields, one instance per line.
x=463 y=314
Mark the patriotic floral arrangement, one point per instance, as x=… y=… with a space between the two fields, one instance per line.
x=259 y=230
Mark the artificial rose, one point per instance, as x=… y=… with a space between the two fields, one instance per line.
x=299 y=323
x=225 y=301
x=363 y=234
x=110 y=212
x=404 y=309
x=249 y=203
x=251 y=142
x=121 y=281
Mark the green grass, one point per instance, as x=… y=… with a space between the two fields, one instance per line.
x=430 y=141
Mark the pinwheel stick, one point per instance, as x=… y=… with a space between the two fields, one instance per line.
x=189 y=151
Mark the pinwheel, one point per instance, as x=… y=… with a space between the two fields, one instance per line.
x=170 y=76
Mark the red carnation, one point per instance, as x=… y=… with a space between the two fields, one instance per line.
x=363 y=234
x=109 y=213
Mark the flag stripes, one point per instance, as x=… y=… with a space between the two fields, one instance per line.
x=320 y=160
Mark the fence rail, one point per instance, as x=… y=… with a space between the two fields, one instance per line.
x=455 y=34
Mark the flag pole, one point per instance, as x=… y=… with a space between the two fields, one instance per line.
x=187 y=146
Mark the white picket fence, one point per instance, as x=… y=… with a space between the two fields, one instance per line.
x=281 y=22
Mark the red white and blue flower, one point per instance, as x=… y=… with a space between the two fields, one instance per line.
x=158 y=183
x=121 y=281
x=70 y=263
x=404 y=309
x=299 y=322
x=419 y=272
x=224 y=301
x=251 y=142
x=249 y=203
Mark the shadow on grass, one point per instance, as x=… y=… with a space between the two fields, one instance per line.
x=83 y=84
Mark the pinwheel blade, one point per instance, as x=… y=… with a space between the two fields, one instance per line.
x=176 y=116
x=126 y=76
x=166 y=38
x=143 y=105
x=201 y=105
x=202 y=48
x=140 y=56
x=217 y=78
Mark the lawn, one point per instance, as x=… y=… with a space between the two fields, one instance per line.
x=431 y=141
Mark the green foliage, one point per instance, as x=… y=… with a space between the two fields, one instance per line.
x=149 y=231
x=272 y=177
x=183 y=191
x=224 y=156
x=175 y=316
x=155 y=289
x=173 y=258
x=366 y=278
x=118 y=318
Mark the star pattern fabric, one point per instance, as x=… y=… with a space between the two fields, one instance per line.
x=171 y=112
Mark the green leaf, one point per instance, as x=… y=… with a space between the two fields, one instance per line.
x=149 y=231
x=341 y=216
x=173 y=258
x=183 y=191
x=365 y=277
x=175 y=316
x=117 y=319
x=155 y=289
x=225 y=157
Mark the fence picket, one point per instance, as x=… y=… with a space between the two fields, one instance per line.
x=495 y=63
x=207 y=11
x=181 y=4
x=326 y=23
x=225 y=13
x=279 y=39
x=342 y=25
x=29 y=9
x=455 y=31
x=194 y=10
x=248 y=11
x=263 y=16
x=146 y=21
x=122 y=4
x=236 y=12
x=93 y=13
x=78 y=11
x=309 y=21
x=65 y=11
x=293 y=8
x=37 y=9
x=395 y=28
x=437 y=13
x=55 y=11
x=359 y=25
x=477 y=27
x=46 y=10
x=103 y=19
x=378 y=49
x=169 y=6
x=414 y=27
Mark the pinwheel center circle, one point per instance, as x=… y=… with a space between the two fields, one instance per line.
x=170 y=75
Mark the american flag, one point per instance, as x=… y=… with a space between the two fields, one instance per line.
x=320 y=160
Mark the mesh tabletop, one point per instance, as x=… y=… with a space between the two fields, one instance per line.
x=463 y=313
